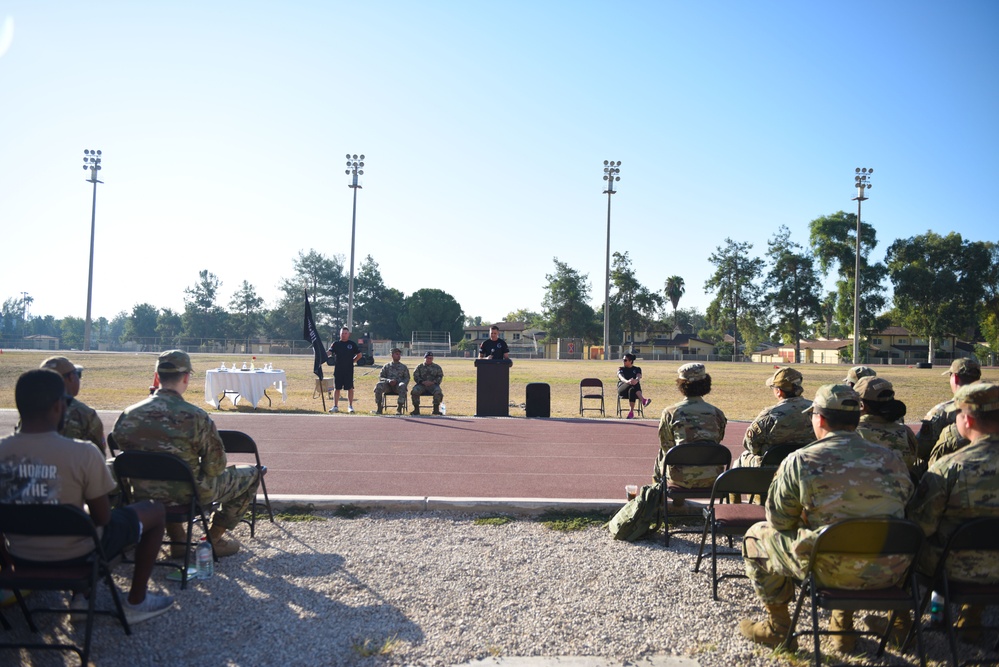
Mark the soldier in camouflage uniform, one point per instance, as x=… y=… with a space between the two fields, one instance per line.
x=392 y=380
x=839 y=476
x=962 y=487
x=784 y=423
x=427 y=379
x=165 y=422
x=879 y=416
x=936 y=421
x=82 y=422
x=691 y=420
x=858 y=372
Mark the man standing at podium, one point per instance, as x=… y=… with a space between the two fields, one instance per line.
x=495 y=347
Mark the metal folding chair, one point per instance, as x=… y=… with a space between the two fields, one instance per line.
x=587 y=391
x=732 y=519
x=56 y=521
x=857 y=543
x=773 y=456
x=695 y=454
x=136 y=466
x=237 y=442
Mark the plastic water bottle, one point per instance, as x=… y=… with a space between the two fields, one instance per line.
x=936 y=609
x=203 y=559
x=443 y=409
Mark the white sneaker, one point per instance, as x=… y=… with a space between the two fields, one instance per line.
x=153 y=605
x=350 y=409
x=334 y=409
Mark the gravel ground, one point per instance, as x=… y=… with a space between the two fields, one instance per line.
x=435 y=589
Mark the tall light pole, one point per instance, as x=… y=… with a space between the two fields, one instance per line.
x=91 y=161
x=862 y=182
x=354 y=169
x=611 y=171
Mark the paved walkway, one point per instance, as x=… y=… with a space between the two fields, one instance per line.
x=447 y=457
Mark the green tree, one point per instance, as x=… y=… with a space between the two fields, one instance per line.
x=529 y=317
x=675 y=288
x=203 y=317
x=690 y=320
x=833 y=240
x=246 y=317
x=473 y=321
x=938 y=283
x=989 y=316
x=793 y=288
x=734 y=283
x=169 y=327
x=637 y=307
x=141 y=324
x=324 y=278
x=432 y=310
x=565 y=309
x=117 y=327
x=72 y=332
x=376 y=307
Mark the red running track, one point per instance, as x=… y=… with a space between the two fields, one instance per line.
x=347 y=455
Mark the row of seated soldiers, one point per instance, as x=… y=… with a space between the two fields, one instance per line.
x=50 y=460
x=858 y=461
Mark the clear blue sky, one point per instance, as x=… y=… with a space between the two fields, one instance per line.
x=224 y=127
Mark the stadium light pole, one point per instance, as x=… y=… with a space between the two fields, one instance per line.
x=862 y=182
x=354 y=169
x=91 y=161
x=611 y=171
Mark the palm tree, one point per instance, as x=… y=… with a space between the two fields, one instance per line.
x=674 y=290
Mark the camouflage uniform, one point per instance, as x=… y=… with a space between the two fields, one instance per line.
x=82 y=423
x=949 y=442
x=690 y=420
x=165 y=422
x=777 y=425
x=958 y=488
x=394 y=370
x=423 y=373
x=897 y=437
x=936 y=420
x=841 y=476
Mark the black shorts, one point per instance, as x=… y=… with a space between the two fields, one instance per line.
x=343 y=378
x=122 y=531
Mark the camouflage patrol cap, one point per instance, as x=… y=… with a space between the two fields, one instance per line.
x=835 y=397
x=692 y=372
x=173 y=361
x=857 y=372
x=874 y=389
x=428 y=355
x=395 y=349
x=785 y=379
x=978 y=397
x=61 y=365
x=968 y=368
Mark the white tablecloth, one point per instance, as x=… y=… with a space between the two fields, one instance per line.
x=249 y=385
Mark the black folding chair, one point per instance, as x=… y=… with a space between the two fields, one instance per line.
x=588 y=390
x=137 y=466
x=639 y=408
x=856 y=543
x=732 y=519
x=84 y=576
x=237 y=442
x=773 y=456
x=975 y=535
x=694 y=454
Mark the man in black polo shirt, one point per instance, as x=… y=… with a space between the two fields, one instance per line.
x=494 y=348
x=345 y=353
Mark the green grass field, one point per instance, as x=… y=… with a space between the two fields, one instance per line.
x=112 y=381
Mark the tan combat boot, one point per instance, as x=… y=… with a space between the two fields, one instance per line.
x=378 y=408
x=899 y=629
x=771 y=632
x=842 y=621
x=223 y=547
x=177 y=532
x=969 y=623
